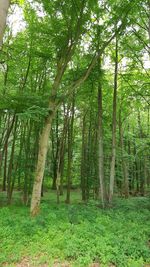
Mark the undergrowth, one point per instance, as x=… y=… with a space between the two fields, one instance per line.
x=78 y=233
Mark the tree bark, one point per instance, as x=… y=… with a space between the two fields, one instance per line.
x=70 y=150
x=43 y=147
x=11 y=161
x=61 y=154
x=6 y=138
x=27 y=150
x=4 y=5
x=142 y=159
x=113 y=157
x=100 y=146
x=55 y=146
x=83 y=160
x=124 y=165
x=5 y=168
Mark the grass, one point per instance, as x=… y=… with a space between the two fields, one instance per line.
x=78 y=234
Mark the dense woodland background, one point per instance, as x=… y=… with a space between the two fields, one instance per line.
x=75 y=102
x=60 y=39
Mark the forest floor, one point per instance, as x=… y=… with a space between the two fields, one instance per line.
x=75 y=235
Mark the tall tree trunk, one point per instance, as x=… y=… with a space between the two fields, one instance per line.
x=130 y=173
x=19 y=162
x=44 y=137
x=142 y=159
x=61 y=154
x=89 y=190
x=5 y=168
x=83 y=160
x=4 y=5
x=100 y=146
x=55 y=152
x=10 y=167
x=43 y=147
x=113 y=157
x=27 y=149
x=136 y=170
x=124 y=165
x=70 y=150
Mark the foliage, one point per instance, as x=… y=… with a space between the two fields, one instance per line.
x=60 y=66
x=80 y=234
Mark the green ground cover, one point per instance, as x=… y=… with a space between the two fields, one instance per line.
x=79 y=234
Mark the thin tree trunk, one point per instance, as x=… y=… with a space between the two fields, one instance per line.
x=142 y=160
x=70 y=150
x=10 y=167
x=100 y=146
x=89 y=158
x=124 y=165
x=55 y=153
x=136 y=170
x=130 y=173
x=19 y=163
x=61 y=154
x=83 y=160
x=7 y=138
x=27 y=149
x=53 y=160
x=5 y=169
x=113 y=157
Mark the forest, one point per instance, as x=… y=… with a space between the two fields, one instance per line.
x=75 y=133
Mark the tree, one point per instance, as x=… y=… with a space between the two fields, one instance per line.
x=55 y=56
x=4 y=5
x=113 y=157
x=65 y=55
x=100 y=141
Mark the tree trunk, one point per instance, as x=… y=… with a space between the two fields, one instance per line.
x=19 y=162
x=10 y=167
x=70 y=150
x=142 y=159
x=136 y=170
x=27 y=149
x=61 y=154
x=6 y=138
x=83 y=160
x=124 y=165
x=4 y=5
x=89 y=158
x=100 y=146
x=5 y=168
x=130 y=170
x=43 y=147
x=113 y=157
x=56 y=144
